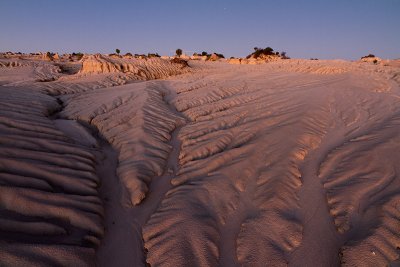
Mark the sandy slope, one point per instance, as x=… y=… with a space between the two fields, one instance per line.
x=286 y=163
x=50 y=210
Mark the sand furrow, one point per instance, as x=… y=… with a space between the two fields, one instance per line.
x=253 y=197
x=362 y=217
x=50 y=207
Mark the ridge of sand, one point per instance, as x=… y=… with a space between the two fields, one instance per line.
x=50 y=210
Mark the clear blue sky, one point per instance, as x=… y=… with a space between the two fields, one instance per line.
x=314 y=28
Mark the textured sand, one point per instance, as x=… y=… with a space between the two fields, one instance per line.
x=292 y=162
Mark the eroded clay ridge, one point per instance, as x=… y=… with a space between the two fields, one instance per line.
x=137 y=122
x=235 y=198
x=141 y=69
x=364 y=193
x=50 y=212
x=257 y=142
x=66 y=75
x=236 y=188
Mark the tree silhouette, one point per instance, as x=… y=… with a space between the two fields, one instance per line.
x=117 y=51
x=178 y=52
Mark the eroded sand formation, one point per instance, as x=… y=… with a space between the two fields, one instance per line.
x=293 y=162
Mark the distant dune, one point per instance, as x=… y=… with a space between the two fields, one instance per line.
x=128 y=161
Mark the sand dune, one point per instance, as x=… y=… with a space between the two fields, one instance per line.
x=292 y=162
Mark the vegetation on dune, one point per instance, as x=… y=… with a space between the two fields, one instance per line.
x=209 y=56
x=370 y=55
x=268 y=51
x=178 y=52
x=284 y=56
x=77 y=56
x=203 y=54
x=150 y=55
x=220 y=55
x=117 y=51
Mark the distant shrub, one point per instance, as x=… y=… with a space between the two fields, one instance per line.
x=370 y=55
x=77 y=56
x=203 y=54
x=128 y=54
x=220 y=55
x=375 y=61
x=117 y=51
x=284 y=56
x=153 y=55
x=178 y=52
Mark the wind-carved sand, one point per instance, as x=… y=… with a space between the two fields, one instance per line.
x=125 y=162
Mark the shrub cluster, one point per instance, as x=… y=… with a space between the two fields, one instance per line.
x=268 y=51
x=178 y=52
x=77 y=56
x=370 y=55
x=203 y=54
x=220 y=55
x=206 y=54
x=153 y=55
